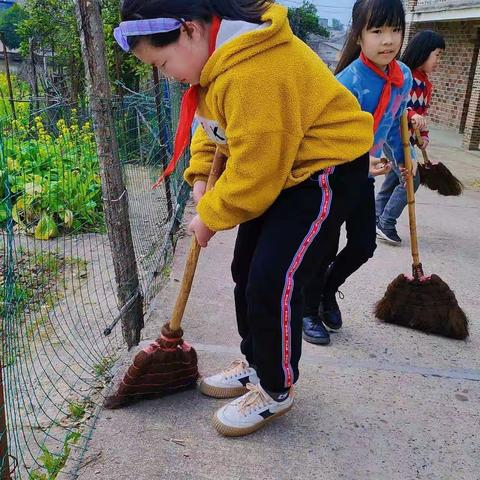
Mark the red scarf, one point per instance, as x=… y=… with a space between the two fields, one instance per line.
x=187 y=111
x=393 y=76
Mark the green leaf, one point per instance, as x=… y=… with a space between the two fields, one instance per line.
x=73 y=437
x=46 y=228
x=3 y=211
x=68 y=218
x=77 y=411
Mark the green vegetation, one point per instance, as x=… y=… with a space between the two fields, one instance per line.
x=103 y=367
x=53 y=462
x=9 y=21
x=304 y=21
x=53 y=179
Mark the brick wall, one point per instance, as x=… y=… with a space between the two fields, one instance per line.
x=471 y=137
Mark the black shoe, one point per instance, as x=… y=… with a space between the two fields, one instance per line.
x=389 y=235
x=330 y=313
x=314 y=331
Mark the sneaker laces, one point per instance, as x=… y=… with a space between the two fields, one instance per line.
x=236 y=367
x=254 y=399
x=340 y=294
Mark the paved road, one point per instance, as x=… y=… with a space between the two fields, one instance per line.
x=380 y=402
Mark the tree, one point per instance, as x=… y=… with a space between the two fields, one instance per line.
x=304 y=21
x=9 y=20
x=130 y=299
x=51 y=27
x=62 y=38
x=337 y=24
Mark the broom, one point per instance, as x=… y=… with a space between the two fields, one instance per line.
x=436 y=176
x=423 y=303
x=168 y=364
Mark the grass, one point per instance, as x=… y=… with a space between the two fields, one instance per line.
x=53 y=463
x=103 y=367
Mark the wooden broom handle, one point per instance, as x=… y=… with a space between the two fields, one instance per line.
x=420 y=143
x=216 y=170
x=410 y=192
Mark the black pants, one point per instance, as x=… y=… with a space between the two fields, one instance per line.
x=275 y=257
x=360 y=225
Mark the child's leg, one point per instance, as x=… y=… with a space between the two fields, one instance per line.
x=297 y=232
x=313 y=290
x=296 y=236
x=390 y=182
x=232 y=381
x=245 y=245
x=397 y=201
x=388 y=185
x=361 y=243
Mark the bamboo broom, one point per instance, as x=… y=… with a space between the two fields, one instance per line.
x=419 y=302
x=436 y=176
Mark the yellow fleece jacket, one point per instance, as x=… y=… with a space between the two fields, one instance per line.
x=274 y=108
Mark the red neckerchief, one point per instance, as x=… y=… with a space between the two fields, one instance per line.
x=423 y=77
x=393 y=76
x=187 y=111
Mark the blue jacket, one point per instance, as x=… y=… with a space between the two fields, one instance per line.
x=367 y=86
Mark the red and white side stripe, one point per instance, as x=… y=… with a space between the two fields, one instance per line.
x=289 y=278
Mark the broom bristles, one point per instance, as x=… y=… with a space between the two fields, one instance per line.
x=166 y=366
x=438 y=177
x=428 y=305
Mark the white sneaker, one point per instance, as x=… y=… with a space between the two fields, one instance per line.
x=231 y=382
x=250 y=412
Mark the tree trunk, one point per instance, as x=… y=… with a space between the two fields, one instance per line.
x=4 y=459
x=75 y=83
x=34 y=77
x=114 y=192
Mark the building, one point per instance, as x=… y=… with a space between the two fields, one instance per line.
x=328 y=49
x=323 y=22
x=456 y=100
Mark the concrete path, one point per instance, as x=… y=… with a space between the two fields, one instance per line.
x=380 y=402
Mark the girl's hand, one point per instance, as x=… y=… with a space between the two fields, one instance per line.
x=379 y=166
x=201 y=231
x=199 y=188
x=424 y=145
x=405 y=173
x=419 y=122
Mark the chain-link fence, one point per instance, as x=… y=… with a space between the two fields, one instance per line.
x=60 y=315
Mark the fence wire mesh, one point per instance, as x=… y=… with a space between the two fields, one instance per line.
x=57 y=284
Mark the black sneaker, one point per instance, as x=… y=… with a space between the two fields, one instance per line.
x=389 y=235
x=314 y=331
x=330 y=313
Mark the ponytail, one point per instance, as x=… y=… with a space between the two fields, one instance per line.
x=246 y=10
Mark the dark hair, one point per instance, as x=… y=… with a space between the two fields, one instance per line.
x=420 y=47
x=246 y=10
x=370 y=14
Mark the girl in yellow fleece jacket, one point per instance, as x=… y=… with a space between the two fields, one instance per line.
x=293 y=149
